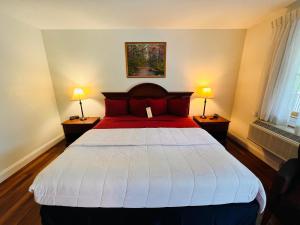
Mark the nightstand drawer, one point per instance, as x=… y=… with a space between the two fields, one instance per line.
x=217 y=127
x=210 y=127
x=73 y=129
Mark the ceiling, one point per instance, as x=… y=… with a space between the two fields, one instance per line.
x=122 y=14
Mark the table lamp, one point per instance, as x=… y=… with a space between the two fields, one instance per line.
x=78 y=95
x=204 y=92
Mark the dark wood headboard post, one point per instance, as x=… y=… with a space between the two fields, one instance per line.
x=147 y=90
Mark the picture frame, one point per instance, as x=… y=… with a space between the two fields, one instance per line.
x=145 y=59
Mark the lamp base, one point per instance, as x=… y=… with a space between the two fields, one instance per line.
x=203 y=117
x=83 y=118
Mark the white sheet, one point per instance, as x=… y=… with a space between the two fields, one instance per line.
x=149 y=167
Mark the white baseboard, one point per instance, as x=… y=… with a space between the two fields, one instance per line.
x=6 y=173
x=270 y=159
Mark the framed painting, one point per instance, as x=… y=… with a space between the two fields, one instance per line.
x=145 y=59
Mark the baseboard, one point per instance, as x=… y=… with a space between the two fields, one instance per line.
x=270 y=159
x=9 y=171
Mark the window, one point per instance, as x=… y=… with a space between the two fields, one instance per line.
x=281 y=102
x=296 y=107
x=295 y=113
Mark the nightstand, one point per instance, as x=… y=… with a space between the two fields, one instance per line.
x=73 y=129
x=217 y=127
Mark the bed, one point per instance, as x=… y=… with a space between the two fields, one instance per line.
x=159 y=171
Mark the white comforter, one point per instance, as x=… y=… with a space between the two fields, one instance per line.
x=149 y=167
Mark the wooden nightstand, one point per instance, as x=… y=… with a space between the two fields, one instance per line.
x=73 y=129
x=216 y=127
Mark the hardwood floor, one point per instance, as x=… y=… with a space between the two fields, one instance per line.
x=263 y=171
x=17 y=206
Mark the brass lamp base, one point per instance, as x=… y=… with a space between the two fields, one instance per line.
x=82 y=118
x=203 y=114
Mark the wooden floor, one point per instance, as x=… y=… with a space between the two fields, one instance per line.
x=16 y=203
x=18 y=207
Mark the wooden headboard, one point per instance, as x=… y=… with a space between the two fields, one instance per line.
x=146 y=90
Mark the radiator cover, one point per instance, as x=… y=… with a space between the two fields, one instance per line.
x=273 y=142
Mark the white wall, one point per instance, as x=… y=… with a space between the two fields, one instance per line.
x=28 y=115
x=250 y=85
x=96 y=59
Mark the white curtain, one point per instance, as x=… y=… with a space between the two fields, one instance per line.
x=282 y=70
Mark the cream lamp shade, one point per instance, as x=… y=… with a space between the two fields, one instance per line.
x=205 y=92
x=78 y=94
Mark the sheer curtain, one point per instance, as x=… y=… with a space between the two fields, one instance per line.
x=282 y=71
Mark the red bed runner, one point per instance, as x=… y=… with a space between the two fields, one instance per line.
x=142 y=122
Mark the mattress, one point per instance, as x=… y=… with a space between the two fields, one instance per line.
x=142 y=122
x=146 y=168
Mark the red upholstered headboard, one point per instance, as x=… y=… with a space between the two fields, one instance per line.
x=146 y=90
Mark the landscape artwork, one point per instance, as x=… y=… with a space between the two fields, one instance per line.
x=146 y=59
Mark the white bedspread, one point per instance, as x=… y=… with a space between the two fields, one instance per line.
x=149 y=167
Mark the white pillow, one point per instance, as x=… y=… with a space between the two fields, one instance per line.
x=149 y=112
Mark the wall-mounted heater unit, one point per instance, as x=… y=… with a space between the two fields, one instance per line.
x=279 y=142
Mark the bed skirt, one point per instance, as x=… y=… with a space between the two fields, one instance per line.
x=228 y=214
